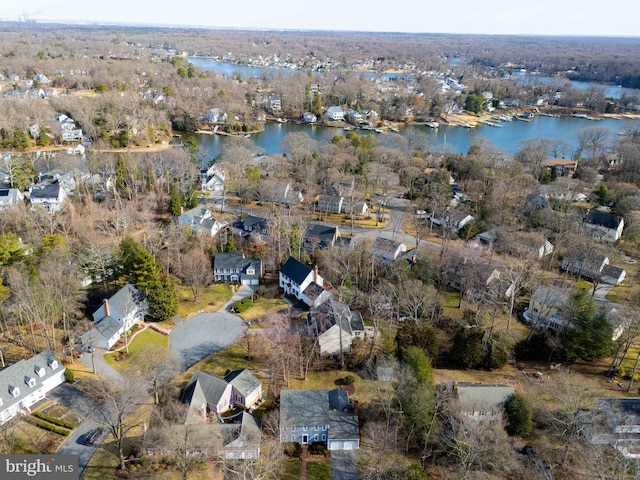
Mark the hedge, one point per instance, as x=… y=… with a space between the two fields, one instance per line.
x=54 y=420
x=48 y=426
x=242 y=305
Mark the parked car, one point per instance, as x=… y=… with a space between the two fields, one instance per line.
x=93 y=436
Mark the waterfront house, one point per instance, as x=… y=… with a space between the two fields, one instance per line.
x=52 y=197
x=10 y=197
x=212 y=178
x=335 y=113
x=216 y=115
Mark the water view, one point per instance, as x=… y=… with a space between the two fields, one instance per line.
x=450 y=139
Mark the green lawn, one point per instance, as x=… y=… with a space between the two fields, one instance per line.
x=231 y=358
x=146 y=337
x=364 y=389
x=262 y=306
x=211 y=299
x=315 y=470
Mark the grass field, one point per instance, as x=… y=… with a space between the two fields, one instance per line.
x=261 y=306
x=145 y=337
x=315 y=470
x=211 y=299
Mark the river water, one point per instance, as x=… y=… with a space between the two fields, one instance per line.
x=450 y=139
x=458 y=139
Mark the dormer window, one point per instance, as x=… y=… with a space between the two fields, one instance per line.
x=30 y=381
x=53 y=363
x=251 y=271
x=14 y=391
x=39 y=371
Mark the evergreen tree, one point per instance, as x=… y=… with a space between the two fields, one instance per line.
x=519 y=416
x=162 y=298
x=420 y=363
x=122 y=184
x=175 y=202
x=138 y=264
x=230 y=246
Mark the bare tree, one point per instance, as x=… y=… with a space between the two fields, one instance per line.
x=195 y=271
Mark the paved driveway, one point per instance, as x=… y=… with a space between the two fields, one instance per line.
x=203 y=334
x=344 y=465
x=85 y=408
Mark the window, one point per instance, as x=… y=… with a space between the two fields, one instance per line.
x=324 y=428
x=482 y=413
x=39 y=371
x=315 y=437
x=293 y=438
x=316 y=428
x=304 y=429
x=324 y=437
x=30 y=381
x=293 y=428
x=14 y=391
x=53 y=363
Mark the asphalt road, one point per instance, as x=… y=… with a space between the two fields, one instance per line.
x=203 y=334
x=85 y=408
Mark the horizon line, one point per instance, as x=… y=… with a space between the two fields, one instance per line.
x=90 y=23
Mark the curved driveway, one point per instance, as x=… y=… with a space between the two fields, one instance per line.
x=203 y=334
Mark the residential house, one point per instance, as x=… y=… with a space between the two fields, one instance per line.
x=26 y=382
x=246 y=389
x=310 y=416
x=473 y=278
x=235 y=268
x=615 y=422
x=589 y=266
x=212 y=179
x=335 y=325
x=209 y=395
x=126 y=308
x=318 y=235
x=251 y=223
x=72 y=135
x=563 y=167
x=275 y=103
x=41 y=78
x=34 y=131
x=604 y=226
x=452 y=220
x=335 y=113
x=295 y=277
x=329 y=203
x=280 y=192
x=10 y=197
x=612 y=275
x=199 y=219
x=545 y=308
x=355 y=117
x=387 y=250
x=308 y=117
x=216 y=115
x=52 y=197
x=240 y=440
x=482 y=402
x=516 y=243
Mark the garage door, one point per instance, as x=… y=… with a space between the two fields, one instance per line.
x=335 y=445
x=349 y=445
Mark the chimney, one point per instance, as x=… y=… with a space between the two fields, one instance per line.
x=340 y=297
x=355 y=405
x=181 y=209
x=107 y=312
x=315 y=274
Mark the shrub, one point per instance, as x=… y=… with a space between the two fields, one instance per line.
x=242 y=305
x=69 y=377
x=54 y=420
x=348 y=380
x=47 y=426
x=519 y=416
x=292 y=449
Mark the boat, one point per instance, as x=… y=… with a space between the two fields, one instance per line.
x=377 y=130
x=433 y=124
x=281 y=120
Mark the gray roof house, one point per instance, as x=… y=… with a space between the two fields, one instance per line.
x=335 y=325
x=335 y=113
x=615 y=422
x=329 y=203
x=10 y=197
x=116 y=315
x=584 y=265
x=387 y=250
x=236 y=268
x=26 y=382
x=452 y=220
x=320 y=236
x=209 y=395
x=482 y=401
x=604 y=226
x=240 y=440
x=295 y=277
x=212 y=178
x=310 y=416
x=201 y=221
x=51 y=197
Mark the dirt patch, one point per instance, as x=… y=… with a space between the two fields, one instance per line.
x=122 y=356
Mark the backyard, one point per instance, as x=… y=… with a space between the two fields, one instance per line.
x=139 y=343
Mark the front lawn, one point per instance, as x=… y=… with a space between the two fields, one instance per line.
x=261 y=306
x=146 y=337
x=315 y=470
x=211 y=299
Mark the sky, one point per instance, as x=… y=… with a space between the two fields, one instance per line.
x=523 y=17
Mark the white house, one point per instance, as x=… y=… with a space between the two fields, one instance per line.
x=216 y=115
x=116 y=315
x=387 y=250
x=604 y=226
x=201 y=221
x=51 y=197
x=212 y=179
x=335 y=113
x=10 y=197
x=336 y=326
x=295 y=277
x=26 y=382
